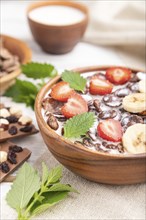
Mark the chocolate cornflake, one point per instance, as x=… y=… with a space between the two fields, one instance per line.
x=26 y=129
x=52 y=122
x=13 y=130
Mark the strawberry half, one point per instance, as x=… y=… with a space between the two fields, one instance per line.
x=100 y=86
x=118 y=75
x=110 y=130
x=75 y=105
x=61 y=91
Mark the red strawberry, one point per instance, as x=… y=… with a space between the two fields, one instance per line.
x=61 y=91
x=110 y=130
x=75 y=105
x=118 y=75
x=100 y=86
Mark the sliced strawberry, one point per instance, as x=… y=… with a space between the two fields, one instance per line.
x=110 y=130
x=118 y=75
x=61 y=91
x=100 y=86
x=75 y=105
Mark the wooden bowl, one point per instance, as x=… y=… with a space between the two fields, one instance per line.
x=95 y=166
x=20 y=49
x=58 y=39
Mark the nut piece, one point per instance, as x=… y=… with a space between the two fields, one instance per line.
x=15 y=111
x=3 y=156
x=25 y=120
x=4 y=113
x=52 y=122
x=4 y=124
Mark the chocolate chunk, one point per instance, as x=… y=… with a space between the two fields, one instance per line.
x=122 y=92
x=12 y=157
x=52 y=122
x=4 y=167
x=112 y=100
x=13 y=130
x=107 y=114
x=26 y=129
x=15 y=148
x=12 y=119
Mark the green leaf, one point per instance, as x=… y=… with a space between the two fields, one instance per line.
x=75 y=80
x=45 y=173
x=23 y=91
x=51 y=198
x=23 y=188
x=38 y=70
x=79 y=125
x=54 y=175
x=61 y=187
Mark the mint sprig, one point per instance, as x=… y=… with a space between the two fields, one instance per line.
x=38 y=70
x=30 y=195
x=26 y=91
x=23 y=91
x=79 y=125
x=75 y=80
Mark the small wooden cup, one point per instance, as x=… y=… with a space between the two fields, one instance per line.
x=58 y=39
x=95 y=166
x=20 y=49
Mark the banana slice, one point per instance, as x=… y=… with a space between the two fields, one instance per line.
x=142 y=86
x=135 y=102
x=134 y=139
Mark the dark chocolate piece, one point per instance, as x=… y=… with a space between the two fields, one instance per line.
x=52 y=122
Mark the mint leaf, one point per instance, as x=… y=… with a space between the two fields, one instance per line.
x=45 y=173
x=79 y=125
x=38 y=70
x=51 y=198
x=62 y=187
x=23 y=91
x=54 y=175
x=23 y=188
x=75 y=80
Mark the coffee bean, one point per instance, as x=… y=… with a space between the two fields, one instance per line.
x=13 y=130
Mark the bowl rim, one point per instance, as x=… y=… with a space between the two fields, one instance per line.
x=52 y=134
x=76 y=5
x=27 y=58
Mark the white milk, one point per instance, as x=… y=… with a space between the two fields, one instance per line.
x=56 y=15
